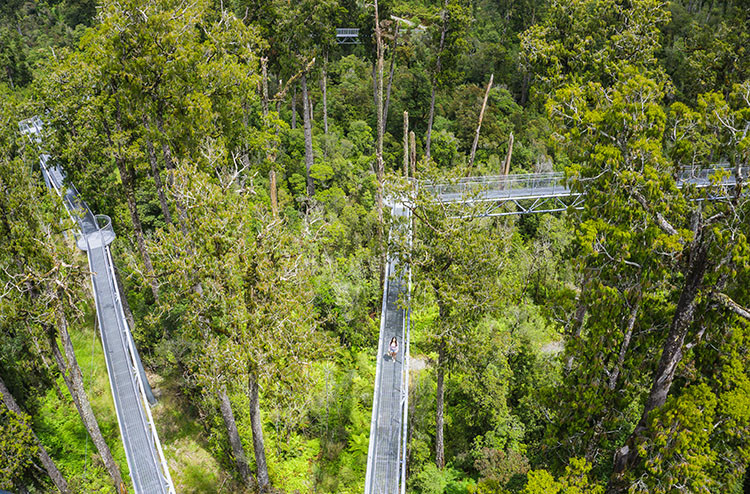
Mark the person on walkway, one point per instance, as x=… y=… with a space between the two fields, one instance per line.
x=393 y=348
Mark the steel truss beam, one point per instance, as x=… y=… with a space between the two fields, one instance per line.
x=505 y=206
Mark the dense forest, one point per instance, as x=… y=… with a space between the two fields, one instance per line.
x=248 y=162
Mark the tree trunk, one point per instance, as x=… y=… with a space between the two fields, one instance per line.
x=413 y=153
x=155 y=172
x=308 y=137
x=73 y=378
x=274 y=199
x=139 y=232
x=525 y=89
x=294 y=106
x=375 y=85
x=312 y=113
x=9 y=73
x=479 y=125
x=49 y=465
x=428 y=141
x=578 y=320
x=270 y=156
x=627 y=455
x=256 y=425
x=380 y=172
x=615 y=374
x=278 y=101
x=506 y=168
x=127 y=183
x=264 y=72
x=390 y=78
x=324 y=88
x=444 y=16
x=234 y=439
x=169 y=163
x=406 y=144
x=439 y=446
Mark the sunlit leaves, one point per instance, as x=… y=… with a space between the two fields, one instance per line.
x=17 y=447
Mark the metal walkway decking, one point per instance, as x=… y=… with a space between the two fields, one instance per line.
x=386 y=457
x=130 y=389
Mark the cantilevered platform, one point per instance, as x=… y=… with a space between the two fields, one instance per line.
x=347 y=35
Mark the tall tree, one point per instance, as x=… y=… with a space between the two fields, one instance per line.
x=254 y=314
x=458 y=255
x=303 y=32
x=617 y=133
x=455 y=17
x=309 y=158
x=40 y=271
x=379 y=165
x=479 y=127
x=29 y=436
x=24 y=366
x=390 y=75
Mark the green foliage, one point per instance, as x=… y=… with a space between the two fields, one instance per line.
x=156 y=114
x=14 y=69
x=60 y=428
x=499 y=468
x=680 y=451
x=574 y=481
x=706 y=48
x=588 y=40
x=432 y=480
x=451 y=26
x=18 y=447
x=627 y=150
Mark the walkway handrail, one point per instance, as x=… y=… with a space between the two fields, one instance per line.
x=372 y=447
x=347 y=32
x=128 y=340
x=405 y=370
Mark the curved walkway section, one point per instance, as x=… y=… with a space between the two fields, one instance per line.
x=130 y=389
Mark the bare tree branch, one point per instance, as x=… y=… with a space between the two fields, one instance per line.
x=660 y=220
x=730 y=304
x=281 y=94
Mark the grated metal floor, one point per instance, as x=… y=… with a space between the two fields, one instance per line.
x=384 y=462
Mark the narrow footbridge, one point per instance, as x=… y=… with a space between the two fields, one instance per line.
x=497 y=196
x=386 y=459
x=130 y=389
x=549 y=192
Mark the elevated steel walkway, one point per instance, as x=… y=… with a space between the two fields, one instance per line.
x=347 y=35
x=386 y=459
x=130 y=388
x=548 y=192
